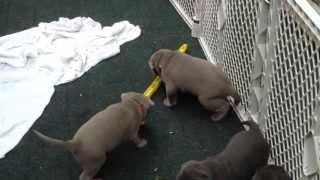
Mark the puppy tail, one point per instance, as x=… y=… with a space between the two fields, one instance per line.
x=69 y=145
x=252 y=125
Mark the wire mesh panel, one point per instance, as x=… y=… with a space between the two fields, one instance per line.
x=233 y=43
x=209 y=32
x=186 y=8
x=294 y=86
x=238 y=39
x=287 y=61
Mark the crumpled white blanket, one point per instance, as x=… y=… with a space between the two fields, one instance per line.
x=34 y=60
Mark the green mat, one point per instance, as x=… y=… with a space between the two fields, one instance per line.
x=175 y=135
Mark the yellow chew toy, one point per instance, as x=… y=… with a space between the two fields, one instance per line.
x=155 y=84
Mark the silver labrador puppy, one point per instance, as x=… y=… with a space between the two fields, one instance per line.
x=203 y=79
x=104 y=131
x=244 y=154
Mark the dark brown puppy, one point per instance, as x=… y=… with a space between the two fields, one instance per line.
x=201 y=78
x=271 y=172
x=245 y=153
x=104 y=131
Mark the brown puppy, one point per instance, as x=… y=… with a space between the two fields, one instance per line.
x=271 y=172
x=201 y=78
x=244 y=154
x=104 y=131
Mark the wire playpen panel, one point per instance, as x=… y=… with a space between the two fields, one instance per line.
x=294 y=86
x=270 y=50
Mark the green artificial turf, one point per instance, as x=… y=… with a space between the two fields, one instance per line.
x=175 y=135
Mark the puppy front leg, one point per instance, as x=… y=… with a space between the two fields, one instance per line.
x=219 y=107
x=171 y=95
x=140 y=142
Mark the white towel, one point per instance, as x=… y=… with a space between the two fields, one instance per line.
x=34 y=60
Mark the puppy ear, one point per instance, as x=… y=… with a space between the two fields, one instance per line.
x=154 y=62
x=154 y=59
x=150 y=63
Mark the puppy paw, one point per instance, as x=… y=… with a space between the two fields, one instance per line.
x=142 y=143
x=167 y=103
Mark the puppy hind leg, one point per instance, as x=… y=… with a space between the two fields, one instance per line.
x=219 y=107
x=91 y=168
x=171 y=95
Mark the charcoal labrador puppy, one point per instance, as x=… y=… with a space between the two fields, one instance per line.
x=271 y=172
x=201 y=78
x=245 y=153
x=104 y=131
